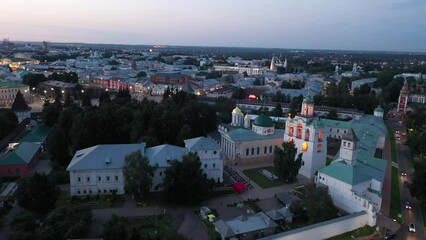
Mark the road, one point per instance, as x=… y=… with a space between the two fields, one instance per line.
x=404 y=164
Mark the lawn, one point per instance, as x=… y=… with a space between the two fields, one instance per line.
x=96 y=202
x=261 y=180
x=393 y=146
x=159 y=226
x=395 y=206
x=360 y=232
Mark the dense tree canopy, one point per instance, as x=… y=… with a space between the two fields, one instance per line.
x=185 y=182
x=286 y=163
x=33 y=79
x=138 y=174
x=36 y=192
x=316 y=205
x=122 y=120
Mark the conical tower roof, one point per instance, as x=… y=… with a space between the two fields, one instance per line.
x=19 y=104
x=350 y=136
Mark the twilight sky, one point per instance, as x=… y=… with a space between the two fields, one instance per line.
x=395 y=25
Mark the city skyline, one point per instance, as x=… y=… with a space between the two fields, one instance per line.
x=383 y=25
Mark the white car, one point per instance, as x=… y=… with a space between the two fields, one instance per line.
x=411 y=227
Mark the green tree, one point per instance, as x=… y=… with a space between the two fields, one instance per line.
x=104 y=98
x=277 y=111
x=36 y=192
x=33 y=80
x=240 y=93
x=115 y=228
x=141 y=74
x=51 y=114
x=286 y=164
x=58 y=146
x=185 y=182
x=138 y=174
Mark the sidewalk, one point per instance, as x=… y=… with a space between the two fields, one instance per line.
x=386 y=190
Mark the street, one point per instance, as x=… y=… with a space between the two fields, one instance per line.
x=404 y=163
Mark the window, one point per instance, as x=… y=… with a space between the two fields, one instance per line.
x=337 y=130
x=299 y=130
x=291 y=130
x=79 y=179
x=214 y=165
x=214 y=152
x=265 y=150
x=116 y=178
x=105 y=190
x=205 y=165
x=307 y=133
x=349 y=144
x=247 y=151
x=110 y=190
x=78 y=192
x=99 y=178
x=331 y=130
x=304 y=146
x=99 y=191
x=88 y=179
x=84 y=191
x=270 y=149
x=320 y=136
x=344 y=144
x=108 y=178
x=252 y=151
x=258 y=150
x=161 y=173
x=90 y=191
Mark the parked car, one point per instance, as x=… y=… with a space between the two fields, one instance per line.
x=403 y=173
x=411 y=227
x=408 y=205
x=390 y=235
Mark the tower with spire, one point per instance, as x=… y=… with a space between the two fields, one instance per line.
x=348 y=147
x=20 y=107
x=403 y=98
x=307 y=132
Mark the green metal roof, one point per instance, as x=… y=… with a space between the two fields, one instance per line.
x=37 y=134
x=246 y=135
x=21 y=155
x=378 y=109
x=11 y=85
x=264 y=121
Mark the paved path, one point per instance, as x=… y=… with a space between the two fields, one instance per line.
x=386 y=190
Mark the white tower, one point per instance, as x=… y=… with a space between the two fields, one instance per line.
x=237 y=117
x=354 y=68
x=247 y=121
x=336 y=70
x=308 y=135
x=348 y=147
x=307 y=107
x=272 y=66
x=285 y=63
x=378 y=112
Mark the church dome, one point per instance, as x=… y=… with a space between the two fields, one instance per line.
x=247 y=116
x=236 y=111
x=263 y=121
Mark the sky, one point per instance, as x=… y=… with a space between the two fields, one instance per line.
x=373 y=25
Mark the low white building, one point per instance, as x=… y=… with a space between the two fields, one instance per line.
x=99 y=169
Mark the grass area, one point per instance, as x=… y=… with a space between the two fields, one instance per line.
x=395 y=205
x=261 y=180
x=155 y=226
x=393 y=146
x=96 y=202
x=378 y=153
x=360 y=232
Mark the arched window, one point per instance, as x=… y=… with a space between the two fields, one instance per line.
x=319 y=148
x=291 y=130
x=320 y=135
x=299 y=131
x=307 y=133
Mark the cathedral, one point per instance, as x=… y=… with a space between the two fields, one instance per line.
x=412 y=96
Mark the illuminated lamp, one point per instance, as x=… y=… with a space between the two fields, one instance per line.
x=304 y=146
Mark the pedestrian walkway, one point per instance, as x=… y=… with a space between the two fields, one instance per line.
x=236 y=177
x=386 y=189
